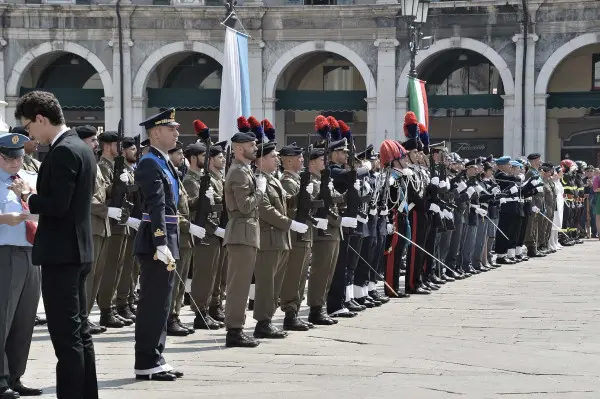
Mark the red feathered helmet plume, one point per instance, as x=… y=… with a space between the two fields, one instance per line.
x=268 y=129
x=202 y=131
x=335 y=128
x=345 y=130
x=322 y=126
x=411 y=128
x=257 y=129
x=389 y=151
x=243 y=125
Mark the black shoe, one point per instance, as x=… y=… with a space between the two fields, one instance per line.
x=7 y=393
x=345 y=315
x=132 y=308
x=177 y=374
x=307 y=323
x=216 y=312
x=95 y=328
x=265 y=329
x=430 y=286
x=504 y=261
x=22 y=390
x=125 y=321
x=419 y=291
x=236 y=338
x=251 y=304
x=447 y=278
x=375 y=302
x=353 y=306
x=162 y=376
x=436 y=280
x=204 y=322
x=174 y=329
x=190 y=331
x=125 y=313
x=291 y=322
x=318 y=317
x=40 y=321
x=110 y=320
x=375 y=295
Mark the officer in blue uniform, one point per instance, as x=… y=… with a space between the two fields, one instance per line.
x=19 y=278
x=156 y=246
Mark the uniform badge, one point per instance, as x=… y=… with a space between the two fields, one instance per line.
x=15 y=139
x=172 y=115
x=159 y=233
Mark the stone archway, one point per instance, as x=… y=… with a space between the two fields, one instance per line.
x=289 y=56
x=16 y=76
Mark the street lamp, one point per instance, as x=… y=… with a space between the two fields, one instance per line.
x=415 y=12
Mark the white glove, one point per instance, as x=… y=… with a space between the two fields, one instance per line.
x=115 y=213
x=362 y=219
x=470 y=191
x=298 y=227
x=198 y=231
x=483 y=212
x=133 y=223
x=373 y=211
x=461 y=186
x=349 y=222
x=390 y=229
x=321 y=224
x=163 y=254
x=435 y=181
x=513 y=189
x=210 y=194
x=478 y=188
x=124 y=177
x=219 y=232
x=330 y=186
x=391 y=181
x=502 y=201
x=449 y=215
x=434 y=207
x=357 y=185
x=522 y=176
x=310 y=188
x=367 y=165
x=367 y=187
x=261 y=183
x=495 y=190
x=384 y=212
x=535 y=209
x=376 y=174
x=443 y=184
x=539 y=189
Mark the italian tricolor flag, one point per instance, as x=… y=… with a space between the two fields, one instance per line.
x=417 y=100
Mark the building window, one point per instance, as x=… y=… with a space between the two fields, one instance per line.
x=596 y=72
x=320 y=2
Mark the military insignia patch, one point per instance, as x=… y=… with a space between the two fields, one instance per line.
x=159 y=233
x=15 y=139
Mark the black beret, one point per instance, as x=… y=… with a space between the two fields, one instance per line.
x=411 y=144
x=128 y=142
x=108 y=137
x=194 y=149
x=533 y=156
x=291 y=150
x=265 y=149
x=222 y=144
x=546 y=166
x=215 y=150
x=178 y=146
x=241 y=137
x=316 y=153
x=86 y=131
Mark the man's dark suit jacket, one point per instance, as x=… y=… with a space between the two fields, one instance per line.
x=65 y=187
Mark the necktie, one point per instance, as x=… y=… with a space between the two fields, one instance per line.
x=30 y=226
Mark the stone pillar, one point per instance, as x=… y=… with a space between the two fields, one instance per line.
x=514 y=130
x=2 y=83
x=540 y=115
x=386 y=90
x=255 y=65
x=110 y=113
x=9 y=111
x=401 y=109
x=138 y=108
x=512 y=137
x=534 y=142
x=372 y=121
x=269 y=110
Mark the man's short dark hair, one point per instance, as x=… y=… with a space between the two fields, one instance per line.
x=40 y=103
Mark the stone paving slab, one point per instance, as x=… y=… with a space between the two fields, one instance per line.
x=522 y=331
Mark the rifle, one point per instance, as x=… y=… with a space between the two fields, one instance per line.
x=204 y=207
x=324 y=192
x=305 y=202
x=224 y=216
x=119 y=190
x=136 y=210
x=353 y=199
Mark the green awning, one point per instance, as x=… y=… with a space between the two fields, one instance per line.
x=180 y=98
x=319 y=100
x=74 y=99
x=470 y=101
x=574 y=99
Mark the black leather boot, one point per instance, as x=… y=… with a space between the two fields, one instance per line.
x=291 y=322
x=265 y=329
x=204 y=322
x=174 y=329
x=236 y=338
x=318 y=317
x=109 y=319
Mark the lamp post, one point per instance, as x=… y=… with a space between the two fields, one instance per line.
x=415 y=12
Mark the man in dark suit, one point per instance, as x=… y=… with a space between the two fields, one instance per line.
x=156 y=247
x=63 y=242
